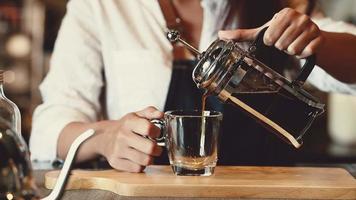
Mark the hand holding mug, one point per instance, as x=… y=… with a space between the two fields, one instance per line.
x=125 y=147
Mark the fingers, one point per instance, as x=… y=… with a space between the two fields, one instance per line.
x=144 y=145
x=290 y=34
x=303 y=40
x=132 y=152
x=137 y=157
x=143 y=127
x=136 y=127
x=150 y=113
x=312 y=47
x=299 y=44
x=278 y=25
x=293 y=33
x=239 y=34
x=125 y=165
x=127 y=149
x=289 y=31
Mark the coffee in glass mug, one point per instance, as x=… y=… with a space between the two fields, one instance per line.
x=191 y=139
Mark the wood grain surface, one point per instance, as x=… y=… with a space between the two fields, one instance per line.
x=248 y=182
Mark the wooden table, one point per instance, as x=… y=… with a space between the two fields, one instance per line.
x=341 y=177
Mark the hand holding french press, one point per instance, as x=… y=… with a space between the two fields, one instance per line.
x=289 y=31
x=237 y=77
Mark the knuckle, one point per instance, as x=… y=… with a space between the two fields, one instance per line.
x=125 y=119
x=275 y=16
x=308 y=50
x=150 y=108
x=304 y=18
x=279 y=46
x=110 y=158
x=292 y=50
x=289 y=12
x=236 y=34
x=121 y=143
x=130 y=116
x=126 y=122
x=268 y=39
x=286 y=10
x=120 y=137
x=114 y=163
x=126 y=125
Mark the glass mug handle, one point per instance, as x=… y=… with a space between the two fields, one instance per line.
x=161 y=141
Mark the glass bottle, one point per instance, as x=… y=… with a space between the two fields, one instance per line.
x=8 y=109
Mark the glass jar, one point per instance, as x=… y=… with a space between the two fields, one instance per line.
x=8 y=109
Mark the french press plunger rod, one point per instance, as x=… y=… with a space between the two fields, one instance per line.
x=174 y=36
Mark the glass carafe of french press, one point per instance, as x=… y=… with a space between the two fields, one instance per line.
x=236 y=76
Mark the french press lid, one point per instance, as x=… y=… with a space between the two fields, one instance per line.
x=208 y=66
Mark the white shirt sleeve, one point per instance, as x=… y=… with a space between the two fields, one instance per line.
x=321 y=79
x=72 y=87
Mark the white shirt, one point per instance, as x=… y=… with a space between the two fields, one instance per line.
x=121 y=44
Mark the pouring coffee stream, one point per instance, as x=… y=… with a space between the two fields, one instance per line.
x=236 y=76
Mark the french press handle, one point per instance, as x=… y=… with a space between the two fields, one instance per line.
x=306 y=69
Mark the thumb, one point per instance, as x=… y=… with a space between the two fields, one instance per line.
x=240 y=35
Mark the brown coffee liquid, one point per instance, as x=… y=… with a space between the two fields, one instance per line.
x=203 y=102
x=279 y=112
x=203 y=120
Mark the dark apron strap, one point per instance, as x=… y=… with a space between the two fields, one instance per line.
x=170 y=15
x=174 y=22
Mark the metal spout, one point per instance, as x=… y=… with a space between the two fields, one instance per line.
x=63 y=175
x=174 y=36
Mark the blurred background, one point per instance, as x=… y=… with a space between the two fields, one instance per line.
x=28 y=30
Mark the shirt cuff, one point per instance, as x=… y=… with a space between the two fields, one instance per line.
x=48 y=123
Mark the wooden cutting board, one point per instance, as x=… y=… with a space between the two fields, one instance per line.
x=248 y=182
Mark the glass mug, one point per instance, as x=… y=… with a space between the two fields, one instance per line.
x=191 y=139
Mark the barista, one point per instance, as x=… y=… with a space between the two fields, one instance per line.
x=106 y=50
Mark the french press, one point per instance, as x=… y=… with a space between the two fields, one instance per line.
x=236 y=76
